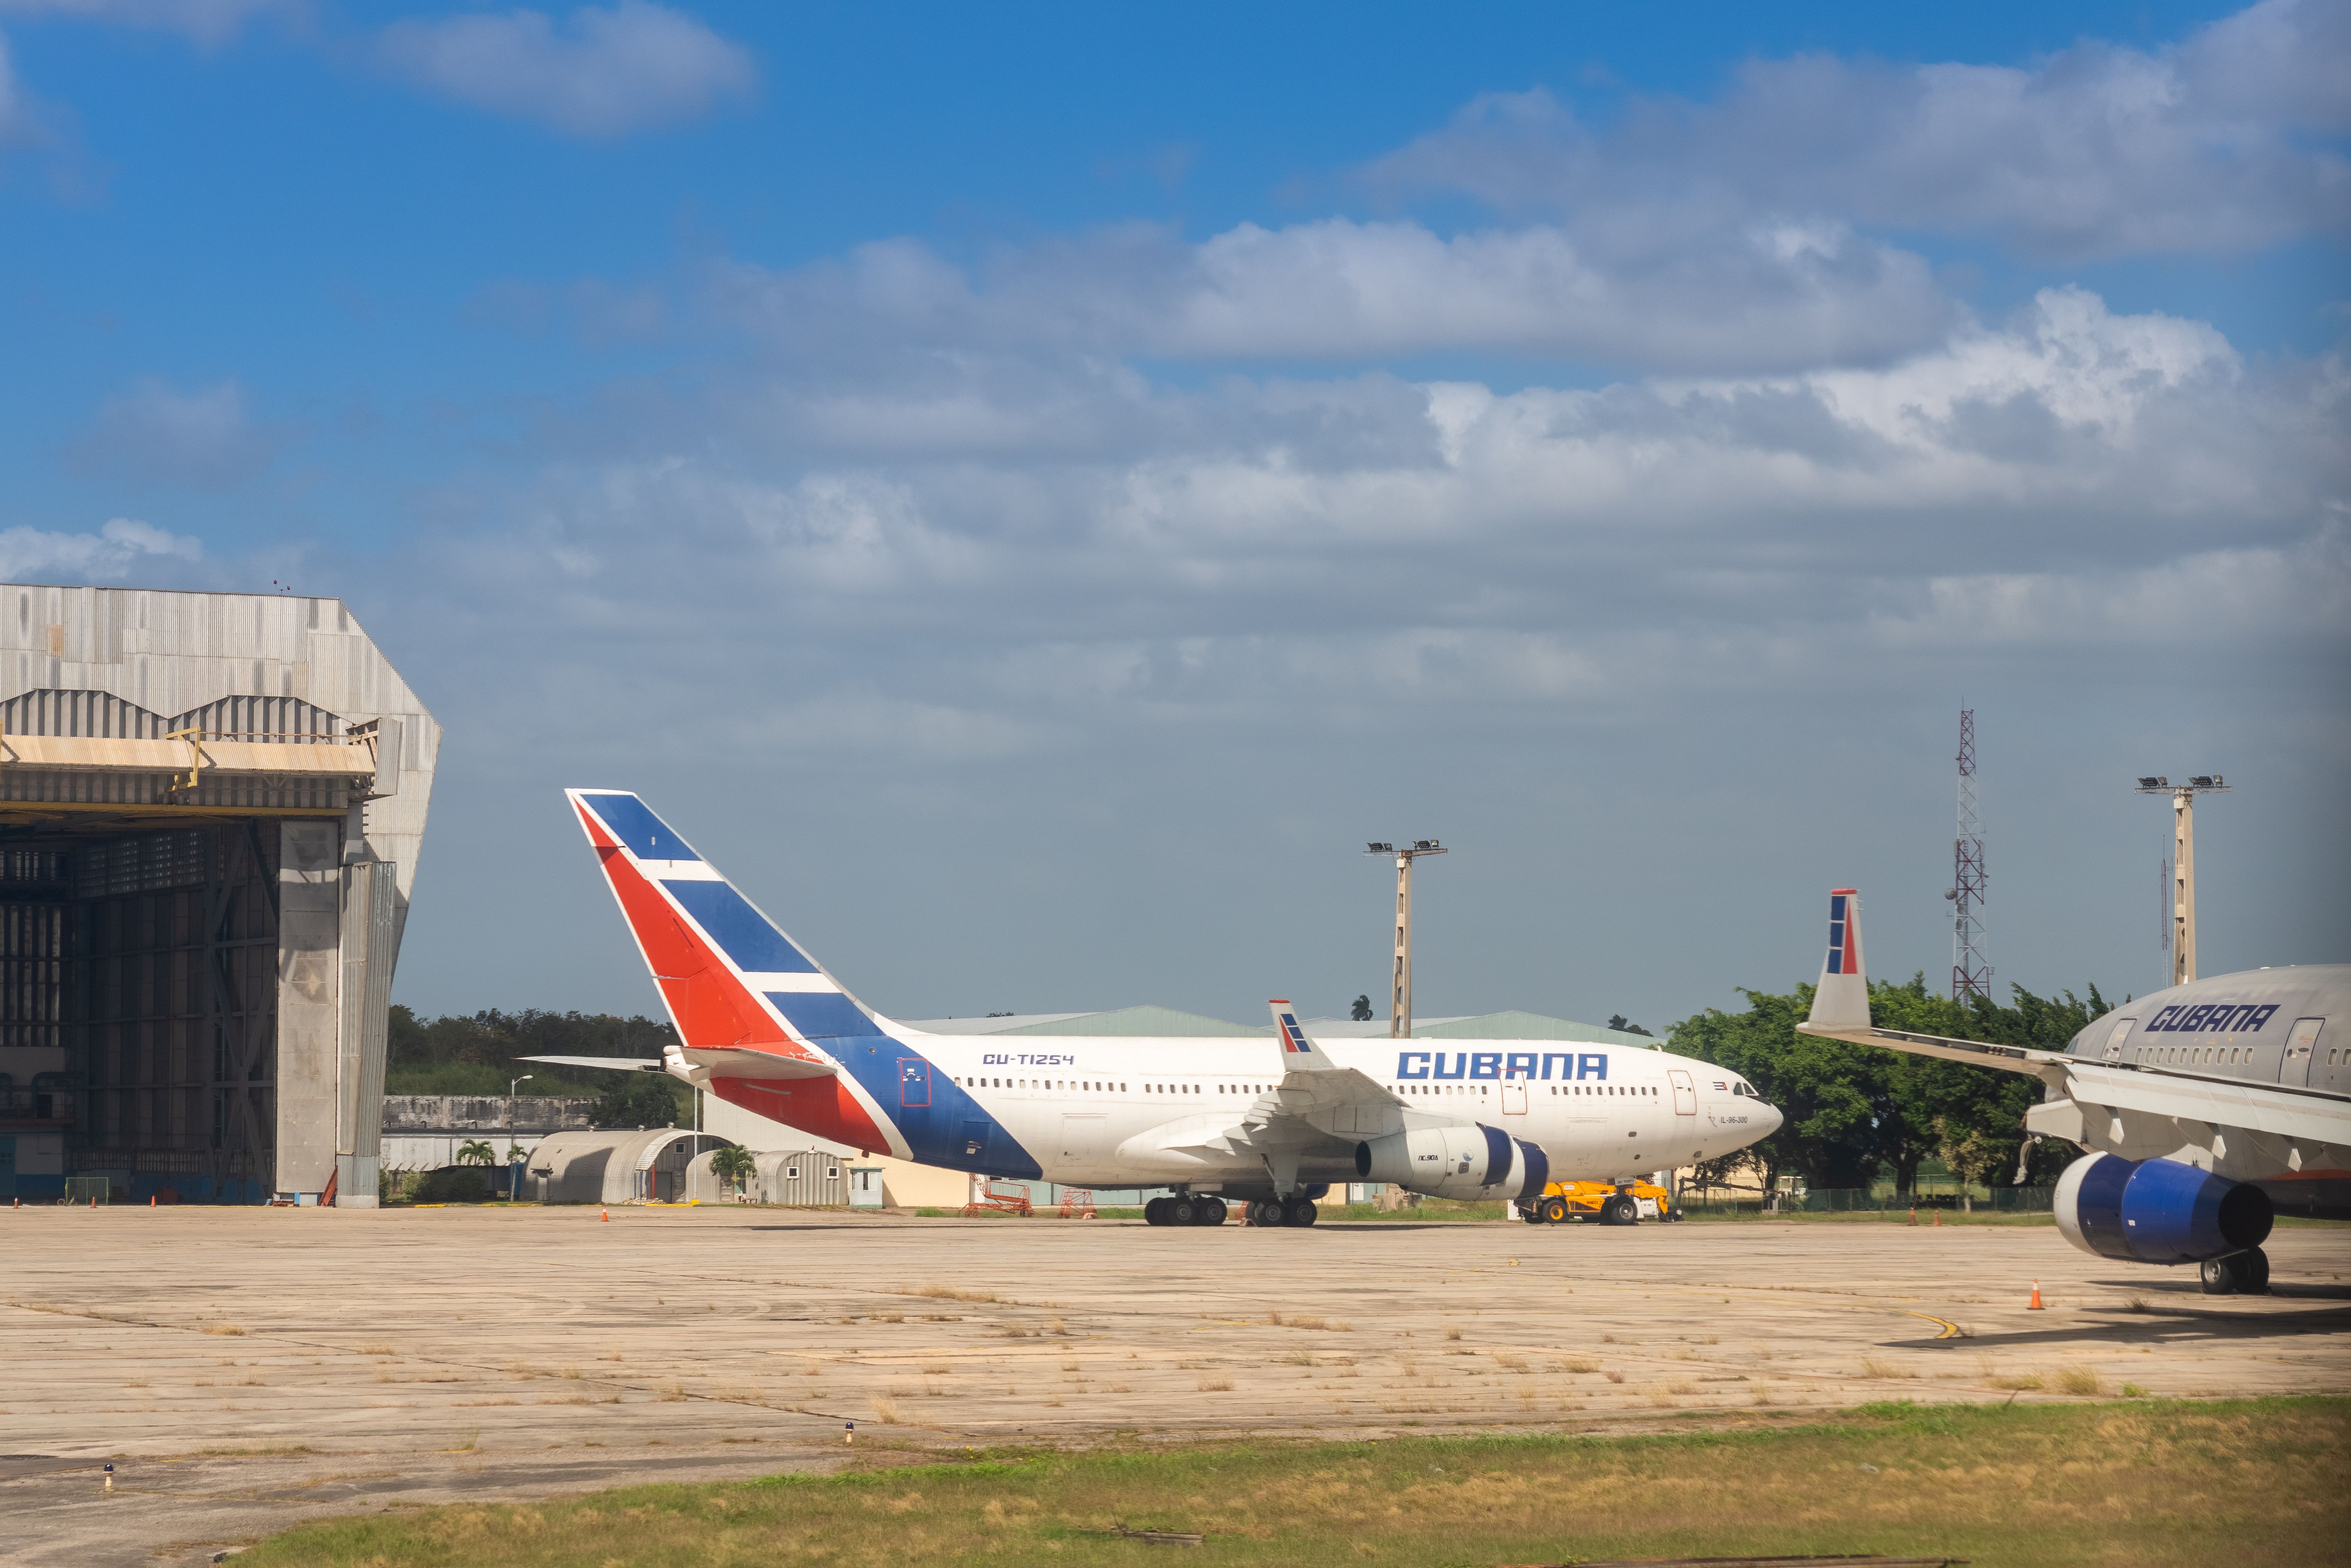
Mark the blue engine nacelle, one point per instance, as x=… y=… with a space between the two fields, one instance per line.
x=2157 y=1211
x=1456 y=1162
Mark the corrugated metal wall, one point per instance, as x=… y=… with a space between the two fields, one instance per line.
x=808 y=1177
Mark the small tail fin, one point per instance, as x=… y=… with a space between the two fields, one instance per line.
x=1841 y=1001
x=1299 y=1054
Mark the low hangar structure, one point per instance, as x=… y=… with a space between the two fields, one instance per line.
x=212 y=807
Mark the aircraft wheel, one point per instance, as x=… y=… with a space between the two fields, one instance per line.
x=1156 y=1212
x=2256 y=1265
x=1554 y=1210
x=2225 y=1276
x=1300 y=1212
x=1209 y=1211
x=1264 y=1212
x=1183 y=1210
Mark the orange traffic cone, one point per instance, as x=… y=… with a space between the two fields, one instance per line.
x=1914 y=1214
x=2034 y=1304
x=604 y=1215
x=1939 y=1220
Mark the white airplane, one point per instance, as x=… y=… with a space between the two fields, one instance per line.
x=1270 y=1122
x=2207 y=1108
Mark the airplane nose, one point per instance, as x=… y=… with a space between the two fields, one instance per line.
x=1769 y=1116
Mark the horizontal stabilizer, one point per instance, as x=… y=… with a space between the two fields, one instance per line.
x=619 y=1063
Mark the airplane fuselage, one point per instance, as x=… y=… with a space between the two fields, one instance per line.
x=2218 y=1039
x=1123 y=1112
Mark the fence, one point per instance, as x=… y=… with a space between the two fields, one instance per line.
x=86 y=1189
x=1878 y=1199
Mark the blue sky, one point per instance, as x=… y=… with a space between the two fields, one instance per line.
x=1029 y=488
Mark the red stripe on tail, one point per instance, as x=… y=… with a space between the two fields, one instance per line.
x=709 y=1004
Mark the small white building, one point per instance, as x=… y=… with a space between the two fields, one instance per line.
x=806 y=1177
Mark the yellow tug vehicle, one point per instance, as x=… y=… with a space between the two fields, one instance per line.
x=1600 y=1202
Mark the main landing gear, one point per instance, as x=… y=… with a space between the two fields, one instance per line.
x=1189 y=1209
x=2245 y=1273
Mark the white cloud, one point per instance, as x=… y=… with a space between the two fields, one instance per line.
x=604 y=71
x=2224 y=143
x=1022 y=550
x=20 y=120
x=156 y=434
x=27 y=555
x=207 y=22
x=1774 y=294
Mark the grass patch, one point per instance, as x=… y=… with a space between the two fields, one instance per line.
x=2151 y=1482
x=1442 y=1209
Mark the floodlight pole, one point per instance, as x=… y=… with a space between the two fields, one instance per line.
x=1400 y=980
x=2183 y=865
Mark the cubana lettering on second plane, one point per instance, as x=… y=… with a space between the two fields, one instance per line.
x=1270 y=1122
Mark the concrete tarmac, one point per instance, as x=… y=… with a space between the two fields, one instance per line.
x=245 y=1369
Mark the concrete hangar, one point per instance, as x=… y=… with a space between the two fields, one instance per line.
x=211 y=808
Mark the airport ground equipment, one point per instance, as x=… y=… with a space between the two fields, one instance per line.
x=1264 y=1117
x=998 y=1198
x=2203 y=1110
x=1600 y=1202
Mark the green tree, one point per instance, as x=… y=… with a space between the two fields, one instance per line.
x=1362 y=1011
x=1851 y=1108
x=477 y=1053
x=636 y=1099
x=1971 y=1155
x=476 y=1153
x=1829 y=1093
x=1617 y=1021
x=734 y=1166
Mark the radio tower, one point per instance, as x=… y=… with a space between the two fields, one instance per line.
x=1970 y=975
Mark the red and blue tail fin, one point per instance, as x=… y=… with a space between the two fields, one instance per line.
x=731 y=977
x=1842 y=999
x=762 y=1025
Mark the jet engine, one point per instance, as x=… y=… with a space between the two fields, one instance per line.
x=1456 y=1162
x=2156 y=1211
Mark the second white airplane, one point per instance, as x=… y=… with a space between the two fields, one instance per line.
x=1269 y=1123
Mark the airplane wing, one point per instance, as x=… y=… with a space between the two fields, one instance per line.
x=1335 y=1100
x=1319 y=1110
x=698 y=1065
x=1840 y=1011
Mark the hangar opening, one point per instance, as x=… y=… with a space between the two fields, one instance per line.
x=211 y=808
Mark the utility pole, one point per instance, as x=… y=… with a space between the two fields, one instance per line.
x=2183 y=864
x=1970 y=973
x=1400 y=981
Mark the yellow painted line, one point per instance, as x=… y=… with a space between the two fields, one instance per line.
x=1950 y=1329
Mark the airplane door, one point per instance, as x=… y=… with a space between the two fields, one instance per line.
x=914 y=1083
x=2301 y=1049
x=1082 y=1139
x=2115 y=1040
x=1514 y=1098
x=1685 y=1093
